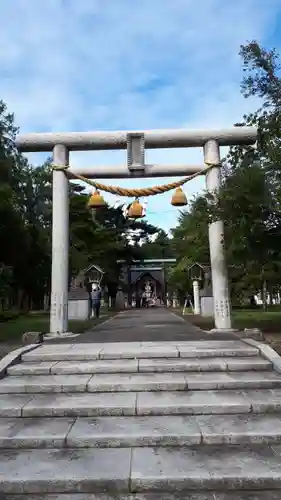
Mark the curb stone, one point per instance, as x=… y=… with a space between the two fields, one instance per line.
x=266 y=352
x=14 y=357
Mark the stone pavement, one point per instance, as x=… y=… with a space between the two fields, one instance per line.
x=145 y=406
x=149 y=420
x=142 y=325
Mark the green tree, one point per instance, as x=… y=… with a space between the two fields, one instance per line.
x=160 y=247
x=252 y=229
x=190 y=237
x=103 y=237
x=253 y=176
x=190 y=243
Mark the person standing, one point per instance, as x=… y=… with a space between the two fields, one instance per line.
x=188 y=300
x=96 y=300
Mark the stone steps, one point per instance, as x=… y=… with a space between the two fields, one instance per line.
x=140 y=382
x=237 y=495
x=141 y=421
x=250 y=363
x=216 y=402
x=139 y=350
x=124 y=432
x=141 y=470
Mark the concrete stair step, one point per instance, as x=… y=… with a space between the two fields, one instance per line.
x=209 y=402
x=237 y=495
x=139 y=350
x=109 y=432
x=143 y=403
x=44 y=383
x=141 y=470
x=254 y=363
x=122 y=382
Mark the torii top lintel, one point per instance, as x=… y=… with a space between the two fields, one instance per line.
x=166 y=138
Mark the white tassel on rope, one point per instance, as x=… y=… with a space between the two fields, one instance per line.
x=144 y=207
x=118 y=204
x=125 y=210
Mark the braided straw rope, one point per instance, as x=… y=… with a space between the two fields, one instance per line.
x=137 y=192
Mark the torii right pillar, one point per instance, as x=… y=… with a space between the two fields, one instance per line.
x=222 y=313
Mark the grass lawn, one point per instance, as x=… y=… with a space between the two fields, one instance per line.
x=12 y=330
x=258 y=315
x=267 y=322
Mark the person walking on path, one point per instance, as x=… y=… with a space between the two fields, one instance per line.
x=96 y=300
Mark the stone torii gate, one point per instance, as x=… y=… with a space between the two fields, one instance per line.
x=61 y=144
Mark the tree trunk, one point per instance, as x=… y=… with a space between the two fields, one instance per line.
x=20 y=299
x=46 y=302
x=264 y=296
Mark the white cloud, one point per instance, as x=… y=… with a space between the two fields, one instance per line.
x=118 y=64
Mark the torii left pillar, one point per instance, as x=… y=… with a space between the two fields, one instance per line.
x=60 y=244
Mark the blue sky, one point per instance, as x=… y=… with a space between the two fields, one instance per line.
x=71 y=65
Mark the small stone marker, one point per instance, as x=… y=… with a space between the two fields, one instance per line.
x=253 y=333
x=32 y=338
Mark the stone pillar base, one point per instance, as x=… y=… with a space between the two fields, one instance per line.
x=224 y=330
x=63 y=335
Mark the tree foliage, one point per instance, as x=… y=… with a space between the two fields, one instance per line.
x=249 y=200
x=102 y=238
x=249 y=203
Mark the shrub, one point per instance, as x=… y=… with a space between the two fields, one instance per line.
x=8 y=315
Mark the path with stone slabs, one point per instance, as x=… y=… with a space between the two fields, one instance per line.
x=150 y=420
x=145 y=325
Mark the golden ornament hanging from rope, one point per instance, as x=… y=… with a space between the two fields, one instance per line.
x=135 y=210
x=179 y=199
x=96 y=200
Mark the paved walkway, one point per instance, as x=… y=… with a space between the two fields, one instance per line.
x=145 y=325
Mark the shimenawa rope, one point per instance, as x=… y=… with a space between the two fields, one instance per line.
x=136 y=192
